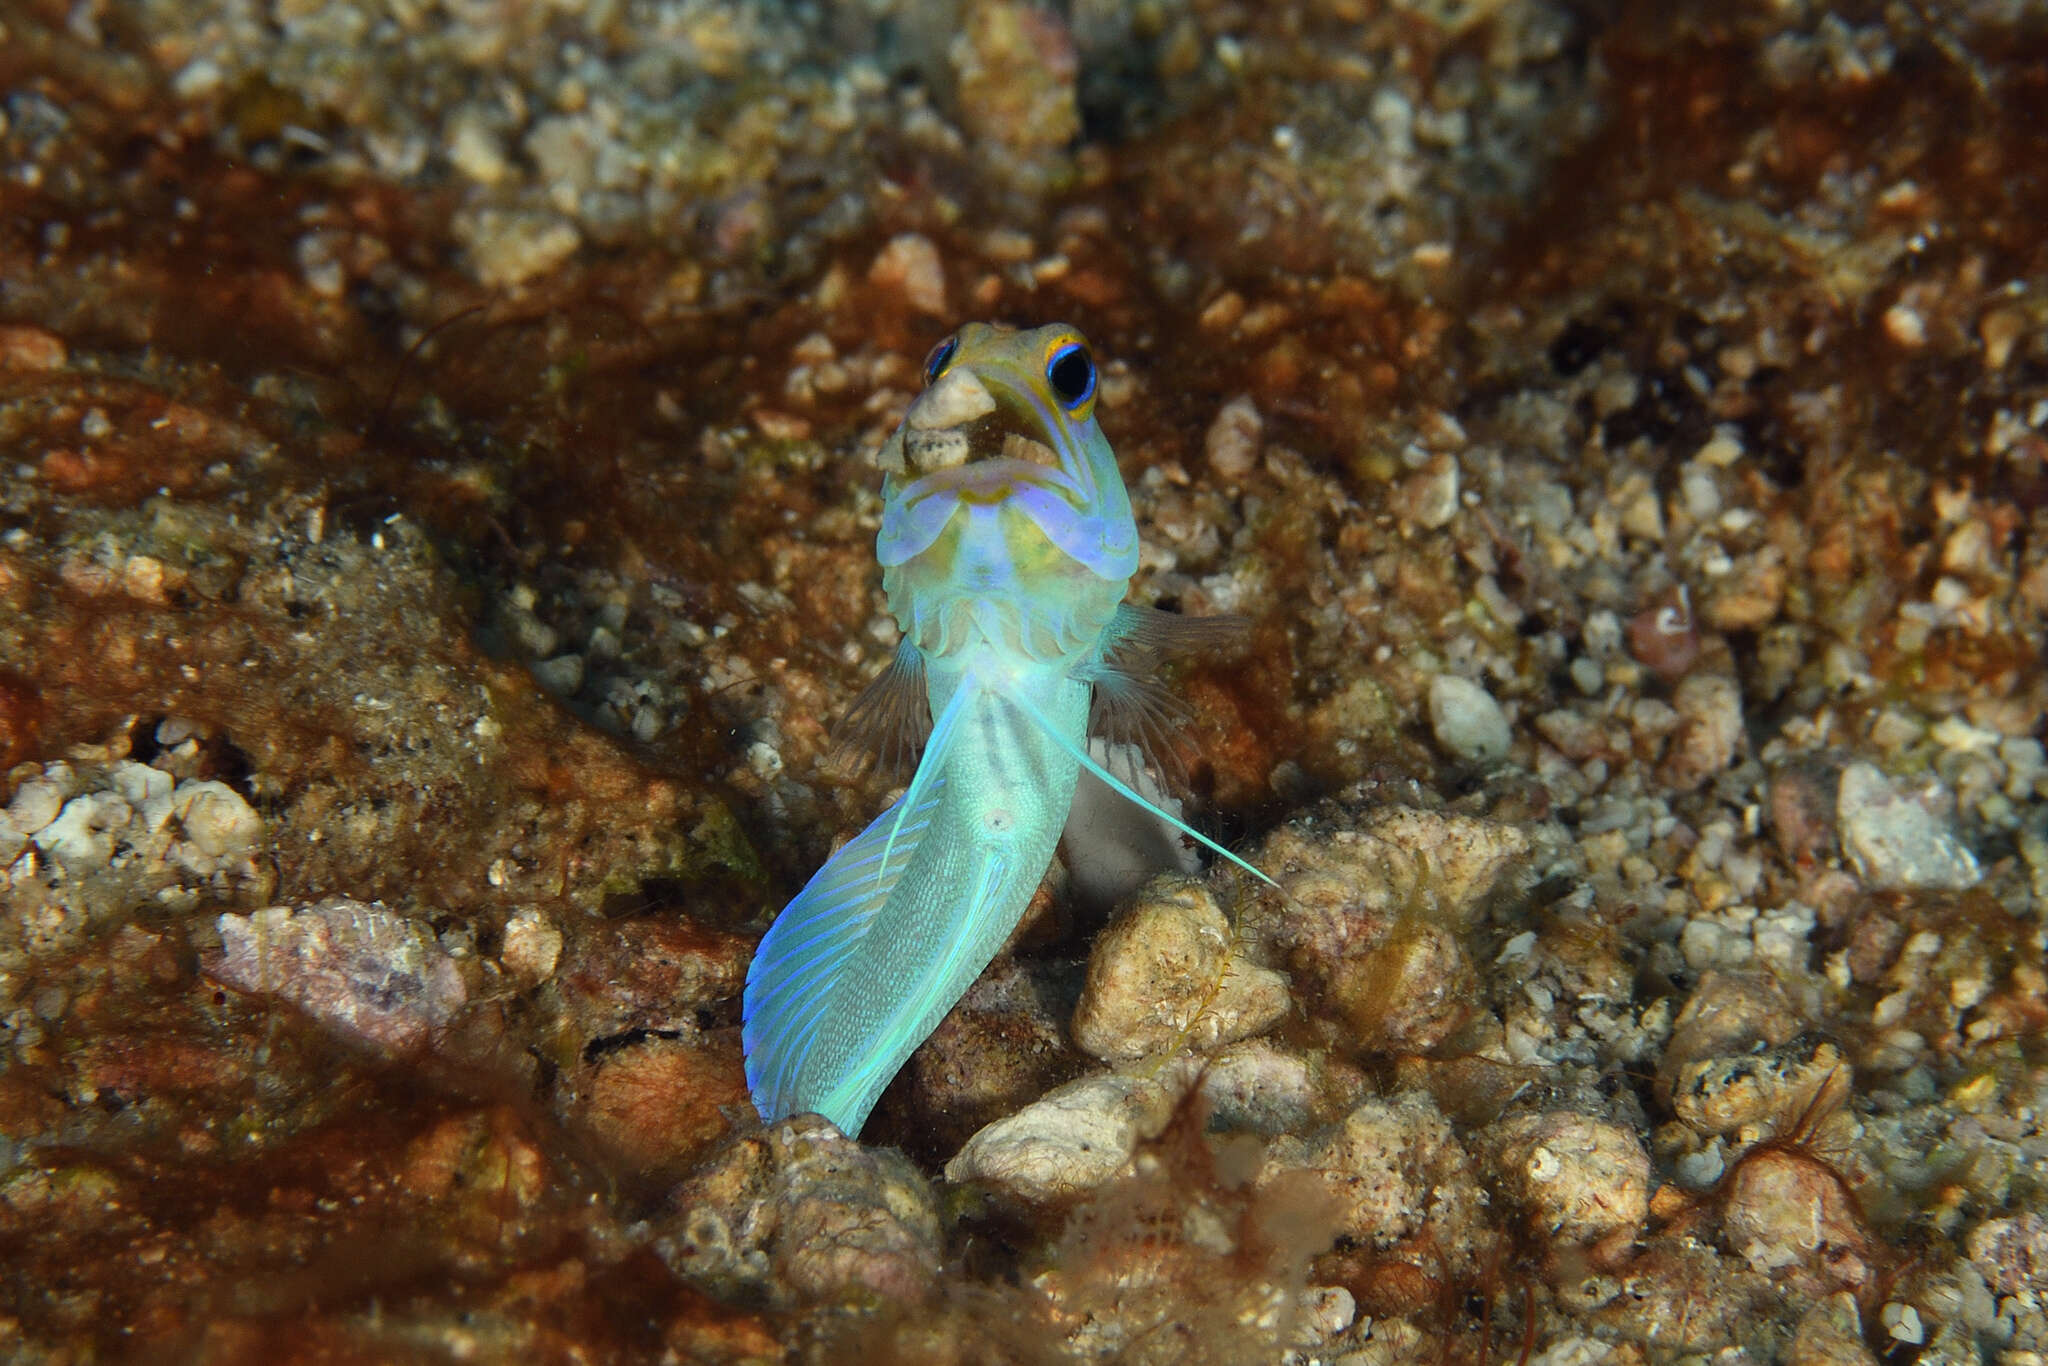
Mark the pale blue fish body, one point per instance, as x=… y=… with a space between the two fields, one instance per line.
x=1007 y=544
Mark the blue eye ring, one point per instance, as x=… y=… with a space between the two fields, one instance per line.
x=941 y=356
x=1070 y=373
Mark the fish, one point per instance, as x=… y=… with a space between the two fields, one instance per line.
x=1007 y=546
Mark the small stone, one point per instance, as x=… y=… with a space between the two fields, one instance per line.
x=532 y=947
x=363 y=971
x=1428 y=498
x=808 y=1214
x=1775 y=1088
x=1165 y=975
x=1232 y=441
x=1893 y=841
x=562 y=675
x=31 y=348
x=1467 y=721
x=1831 y=1334
x=1750 y=596
x=1390 y=1168
x=1729 y=1014
x=910 y=265
x=1575 y=1177
x=1077 y=1136
x=475 y=147
x=36 y=803
x=508 y=247
x=1785 y=1209
x=216 y=820
x=1709 y=707
x=2000 y=330
x=1664 y=637
x=1905 y=326
x=83 y=834
x=2012 y=1253
x=1256 y=1087
x=1802 y=812
x=657 y=1105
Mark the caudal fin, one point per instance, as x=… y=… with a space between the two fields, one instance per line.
x=798 y=977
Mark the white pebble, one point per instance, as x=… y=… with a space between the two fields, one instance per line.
x=1466 y=719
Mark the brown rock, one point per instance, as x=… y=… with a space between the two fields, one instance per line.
x=1802 y=811
x=1664 y=637
x=31 y=348
x=1408 y=993
x=658 y=1105
x=1001 y=1048
x=1371 y=925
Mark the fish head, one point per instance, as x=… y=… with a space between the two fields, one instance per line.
x=1007 y=419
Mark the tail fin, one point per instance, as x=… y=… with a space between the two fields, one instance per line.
x=797 y=975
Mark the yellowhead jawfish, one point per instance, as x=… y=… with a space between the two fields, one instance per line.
x=1007 y=545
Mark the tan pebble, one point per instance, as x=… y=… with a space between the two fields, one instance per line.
x=778 y=426
x=910 y=265
x=1768 y=1091
x=1165 y=975
x=1429 y=497
x=1905 y=326
x=1831 y=1334
x=1076 y=1137
x=1232 y=441
x=1728 y=1014
x=1222 y=312
x=2000 y=330
x=31 y=348
x=1709 y=731
x=1748 y=598
x=1788 y=1209
x=1574 y=1177
x=532 y=947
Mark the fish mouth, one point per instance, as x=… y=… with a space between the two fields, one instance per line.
x=992 y=479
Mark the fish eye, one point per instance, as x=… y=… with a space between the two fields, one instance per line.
x=1070 y=370
x=942 y=356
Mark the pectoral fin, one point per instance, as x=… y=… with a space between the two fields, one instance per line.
x=890 y=720
x=1131 y=702
x=1122 y=788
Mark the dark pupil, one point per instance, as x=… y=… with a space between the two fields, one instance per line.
x=1070 y=374
x=935 y=364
